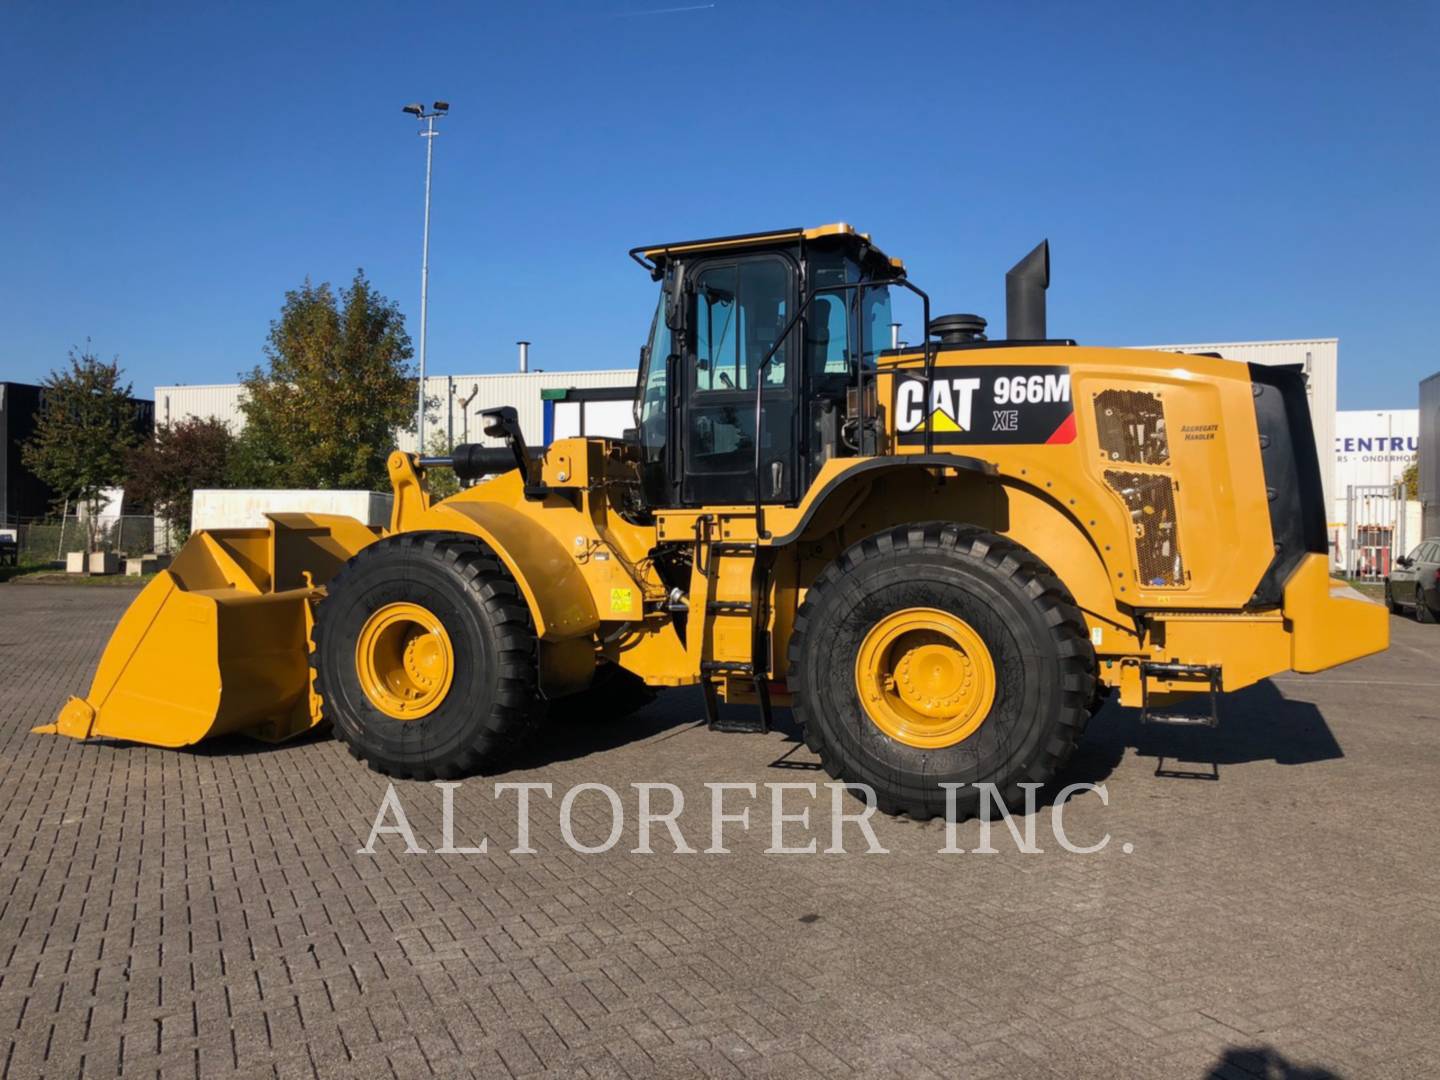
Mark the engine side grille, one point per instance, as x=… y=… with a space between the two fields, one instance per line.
x=1130 y=425
x=1151 y=500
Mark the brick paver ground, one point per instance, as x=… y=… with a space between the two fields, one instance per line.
x=205 y=912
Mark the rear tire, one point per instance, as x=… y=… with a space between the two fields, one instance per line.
x=490 y=699
x=1043 y=663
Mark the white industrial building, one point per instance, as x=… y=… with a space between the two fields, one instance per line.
x=460 y=398
x=554 y=404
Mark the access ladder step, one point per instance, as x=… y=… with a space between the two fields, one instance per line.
x=734 y=547
x=758 y=723
x=1212 y=676
x=730 y=607
x=726 y=667
x=740 y=724
x=1181 y=720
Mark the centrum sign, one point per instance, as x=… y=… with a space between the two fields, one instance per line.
x=1374 y=447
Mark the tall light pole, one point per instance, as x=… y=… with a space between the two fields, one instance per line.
x=428 y=133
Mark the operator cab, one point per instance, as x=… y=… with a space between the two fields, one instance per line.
x=729 y=346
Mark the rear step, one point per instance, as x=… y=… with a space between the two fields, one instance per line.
x=1210 y=673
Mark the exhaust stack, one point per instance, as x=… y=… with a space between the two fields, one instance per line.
x=1025 y=286
x=524 y=355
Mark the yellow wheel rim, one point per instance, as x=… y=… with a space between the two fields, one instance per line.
x=405 y=661
x=925 y=678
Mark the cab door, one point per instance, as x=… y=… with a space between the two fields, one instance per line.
x=738 y=309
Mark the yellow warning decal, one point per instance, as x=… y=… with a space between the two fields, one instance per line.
x=621 y=600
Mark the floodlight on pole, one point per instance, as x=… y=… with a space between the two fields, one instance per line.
x=428 y=133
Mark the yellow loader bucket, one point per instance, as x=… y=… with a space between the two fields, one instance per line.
x=219 y=642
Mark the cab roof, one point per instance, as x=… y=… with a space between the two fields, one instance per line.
x=654 y=257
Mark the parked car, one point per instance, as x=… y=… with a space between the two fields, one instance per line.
x=1414 y=582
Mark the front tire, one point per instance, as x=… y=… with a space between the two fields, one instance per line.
x=972 y=657
x=425 y=657
x=1390 y=603
x=1424 y=613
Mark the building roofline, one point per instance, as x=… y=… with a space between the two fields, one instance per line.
x=1231 y=344
x=627 y=373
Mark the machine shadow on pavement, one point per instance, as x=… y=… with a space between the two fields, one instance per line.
x=554 y=739
x=1256 y=724
x=1264 y=1061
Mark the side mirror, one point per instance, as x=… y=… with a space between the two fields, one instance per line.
x=1403 y=560
x=504 y=423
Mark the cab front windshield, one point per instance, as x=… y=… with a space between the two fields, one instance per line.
x=651 y=399
x=652 y=403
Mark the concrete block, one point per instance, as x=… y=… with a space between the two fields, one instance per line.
x=137 y=565
x=101 y=562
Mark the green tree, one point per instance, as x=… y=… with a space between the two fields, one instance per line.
x=164 y=472
x=1411 y=479
x=87 y=424
x=337 y=387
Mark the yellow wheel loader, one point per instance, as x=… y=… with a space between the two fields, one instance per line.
x=942 y=556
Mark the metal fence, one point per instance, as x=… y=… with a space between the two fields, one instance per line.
x=1374 y=530
x=42 y=542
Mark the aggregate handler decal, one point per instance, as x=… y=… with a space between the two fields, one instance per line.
x=1027 y=404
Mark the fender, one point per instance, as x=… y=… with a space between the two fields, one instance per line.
x=845 y=470
x=553 y=585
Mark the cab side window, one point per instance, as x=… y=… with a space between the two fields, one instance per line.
x=826 y=334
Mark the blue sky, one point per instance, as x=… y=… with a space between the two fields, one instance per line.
x=1203 y=171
